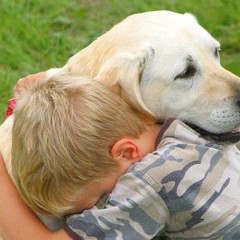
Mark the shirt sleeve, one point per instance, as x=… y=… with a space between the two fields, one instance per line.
x=134 y=211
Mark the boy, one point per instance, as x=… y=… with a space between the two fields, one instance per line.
x=63 y=133
x=183 y=188
x=52 y=127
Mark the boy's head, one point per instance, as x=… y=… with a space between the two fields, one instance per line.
x=63 y=134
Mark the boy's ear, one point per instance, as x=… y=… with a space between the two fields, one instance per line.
x=126 y=150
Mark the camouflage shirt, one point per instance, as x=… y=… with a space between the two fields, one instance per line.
x=189 y=188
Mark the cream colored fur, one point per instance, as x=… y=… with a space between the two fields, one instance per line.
x=165 y=65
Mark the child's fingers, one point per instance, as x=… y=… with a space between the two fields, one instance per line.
x=24 y=82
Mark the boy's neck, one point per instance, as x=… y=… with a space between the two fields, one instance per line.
x=147 y=140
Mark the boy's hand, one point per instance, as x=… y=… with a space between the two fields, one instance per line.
x=22 y=83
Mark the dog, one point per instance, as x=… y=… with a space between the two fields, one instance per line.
x=163 y=64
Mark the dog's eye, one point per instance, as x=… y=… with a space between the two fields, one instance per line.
x=217 y=51
x=188 y=72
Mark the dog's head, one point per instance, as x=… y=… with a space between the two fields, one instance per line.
x=166 y=65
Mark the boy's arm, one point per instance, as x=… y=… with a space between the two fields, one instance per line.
x=134 y=211
x=17 y=221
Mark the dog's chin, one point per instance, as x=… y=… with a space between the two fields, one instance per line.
x=232 y=136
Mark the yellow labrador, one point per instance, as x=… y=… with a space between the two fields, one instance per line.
x=165 y=65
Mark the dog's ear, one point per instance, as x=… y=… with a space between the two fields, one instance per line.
x=123 y=72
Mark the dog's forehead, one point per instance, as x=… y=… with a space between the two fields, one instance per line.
x=162 y=25
x=161 y=18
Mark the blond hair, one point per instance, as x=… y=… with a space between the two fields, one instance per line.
x=62 y=136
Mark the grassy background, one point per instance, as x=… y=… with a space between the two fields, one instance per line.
x=36 y=35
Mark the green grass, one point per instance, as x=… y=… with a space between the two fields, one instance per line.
x=36 y=35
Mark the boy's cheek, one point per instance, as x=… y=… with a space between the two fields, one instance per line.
x=81 y=205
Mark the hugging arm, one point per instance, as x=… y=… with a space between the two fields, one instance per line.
x=134 y=211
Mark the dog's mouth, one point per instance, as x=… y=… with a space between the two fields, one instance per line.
x=231 y=136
